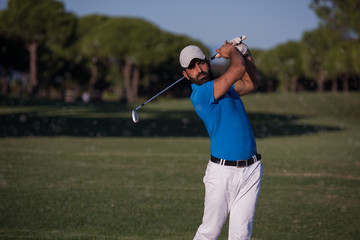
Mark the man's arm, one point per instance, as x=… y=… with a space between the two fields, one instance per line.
x=249 y=82
x=233 y=73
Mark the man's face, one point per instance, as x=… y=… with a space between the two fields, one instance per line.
x=198 y=71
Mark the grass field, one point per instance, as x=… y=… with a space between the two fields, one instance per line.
x=74 y=171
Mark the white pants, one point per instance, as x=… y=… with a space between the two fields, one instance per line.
x=230 y=190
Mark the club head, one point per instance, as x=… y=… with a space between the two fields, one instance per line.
x=135 y=116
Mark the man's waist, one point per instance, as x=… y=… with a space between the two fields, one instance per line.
x=237 y=163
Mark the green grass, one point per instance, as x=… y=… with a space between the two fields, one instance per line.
x=144 y=181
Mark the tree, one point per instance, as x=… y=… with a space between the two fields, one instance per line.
x=268 y=64
x=340 y=15
x=354 y=55
x=37 y=22
x=352 y=61
x=137 y=47
x=336 y=63
x=88 y=46
x=316 y=44
x=289 y=65
x=339 y=29
x=118 y=40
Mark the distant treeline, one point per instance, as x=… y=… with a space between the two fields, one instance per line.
x=50 y=53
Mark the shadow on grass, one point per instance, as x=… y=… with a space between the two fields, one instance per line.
x=153 y=123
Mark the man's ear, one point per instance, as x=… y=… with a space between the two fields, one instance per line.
x=185 y=74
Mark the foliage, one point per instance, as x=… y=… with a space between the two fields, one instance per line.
x=291 y=64
x=337 y=61
x=38 y=21
x=329 y=46
x=131 y=56
x=127 y=40
x=340 y=15
x=316 y=44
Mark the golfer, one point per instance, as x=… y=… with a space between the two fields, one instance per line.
x=233 y=175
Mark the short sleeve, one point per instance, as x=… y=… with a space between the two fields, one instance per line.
x=204 y=97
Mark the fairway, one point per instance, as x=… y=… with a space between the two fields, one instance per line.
x=74 y=171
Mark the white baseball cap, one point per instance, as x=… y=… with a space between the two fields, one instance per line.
x=189 y=53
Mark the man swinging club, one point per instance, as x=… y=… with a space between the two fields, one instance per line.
x=233 y=175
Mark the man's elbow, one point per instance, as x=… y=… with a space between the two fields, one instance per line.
x=255 y=85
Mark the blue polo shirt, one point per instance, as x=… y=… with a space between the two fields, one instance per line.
x=226 y=122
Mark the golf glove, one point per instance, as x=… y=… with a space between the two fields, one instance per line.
x=243 y=48
x=235 y=41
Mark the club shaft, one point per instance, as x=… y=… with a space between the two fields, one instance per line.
x=160 y=93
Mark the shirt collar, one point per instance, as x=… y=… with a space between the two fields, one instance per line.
x=194 y=86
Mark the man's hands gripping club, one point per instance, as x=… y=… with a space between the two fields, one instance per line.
x=243 y=48
x=235 y=71
x=238 y=42
x=247 y=81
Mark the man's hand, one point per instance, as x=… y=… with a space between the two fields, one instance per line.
x=243 y=48
x=226 y=50
x=237 y=40
x=235 y=71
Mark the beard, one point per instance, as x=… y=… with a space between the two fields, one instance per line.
x=201 y=78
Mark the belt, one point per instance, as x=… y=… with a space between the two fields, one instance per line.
x=238 y=163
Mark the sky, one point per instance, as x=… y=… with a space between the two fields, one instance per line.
x=266 y=23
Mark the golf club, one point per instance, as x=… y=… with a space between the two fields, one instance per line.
x=135 y=116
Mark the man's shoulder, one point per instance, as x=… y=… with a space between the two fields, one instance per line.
x=203 y=94
x=208 y=84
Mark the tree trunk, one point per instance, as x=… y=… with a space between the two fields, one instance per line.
x=94 y=75
x=346 y=83
x=4 y=88
x=293 y=84
x=334 y=85
x=32 y=48
x=135 y=83
x=131 y=81
x=127 y=81
x=300 y=87
x=321 y=80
